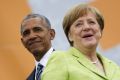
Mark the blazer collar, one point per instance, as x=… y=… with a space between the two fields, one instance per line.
x=85 y=62
x=108 y=66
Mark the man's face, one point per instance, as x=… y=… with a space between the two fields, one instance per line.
x=36 y=36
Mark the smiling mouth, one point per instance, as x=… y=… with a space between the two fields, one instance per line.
x=33 y=42
x=87 y=35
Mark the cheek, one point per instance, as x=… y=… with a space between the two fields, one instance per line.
x=42 y=35
x=47 y=37
x=97 y=29
x=75 y=32
x=75 y=36
x=98 y=33
x=24 y=42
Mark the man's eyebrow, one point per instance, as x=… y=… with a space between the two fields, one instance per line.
x=37 y=27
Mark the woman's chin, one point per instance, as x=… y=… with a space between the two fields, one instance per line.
x=90 y=44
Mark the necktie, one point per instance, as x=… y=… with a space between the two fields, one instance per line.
x=39 y=71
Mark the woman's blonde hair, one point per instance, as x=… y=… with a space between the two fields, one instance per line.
x=78 y=11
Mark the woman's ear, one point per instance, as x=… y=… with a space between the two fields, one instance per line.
x=70 y=37
x=101 y=34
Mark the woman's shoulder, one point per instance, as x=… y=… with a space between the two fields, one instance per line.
x=109 y=62
x=58 y=57
x=59 y=54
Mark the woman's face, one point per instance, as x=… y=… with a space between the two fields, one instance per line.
x=85 y=32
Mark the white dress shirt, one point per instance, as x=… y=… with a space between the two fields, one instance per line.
x=44 y=59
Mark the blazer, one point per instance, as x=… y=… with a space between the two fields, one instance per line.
x=73 y=65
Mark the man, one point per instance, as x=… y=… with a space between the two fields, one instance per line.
x=36 y=35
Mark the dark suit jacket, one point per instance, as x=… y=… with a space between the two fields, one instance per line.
x=32 y=75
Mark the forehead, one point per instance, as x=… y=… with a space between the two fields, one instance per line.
x=33 y=22
x=88 y=16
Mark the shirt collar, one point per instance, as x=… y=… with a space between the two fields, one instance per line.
x=45 y=58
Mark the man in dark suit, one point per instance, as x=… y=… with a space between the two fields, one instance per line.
x=36 y=35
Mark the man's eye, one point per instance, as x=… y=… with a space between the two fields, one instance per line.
x=27 y=32
x=37 y=29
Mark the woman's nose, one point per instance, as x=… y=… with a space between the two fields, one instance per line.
x=86 y=26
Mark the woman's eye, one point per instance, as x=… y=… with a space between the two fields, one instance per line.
x=91 y=22
x=79 y=24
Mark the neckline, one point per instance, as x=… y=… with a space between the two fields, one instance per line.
x=95 y=62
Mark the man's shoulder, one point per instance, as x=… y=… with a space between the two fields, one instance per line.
x=58 y=56
x=32 y=75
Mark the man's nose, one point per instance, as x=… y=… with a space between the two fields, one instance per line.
x=32 y=35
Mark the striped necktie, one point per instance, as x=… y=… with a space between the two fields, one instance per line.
x=39 y=71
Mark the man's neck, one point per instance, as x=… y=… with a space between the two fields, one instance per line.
x=45 y=58
x=39 y=54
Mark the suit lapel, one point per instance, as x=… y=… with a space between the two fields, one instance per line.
x=32 y=75
x=109 y=68
x=85 y=62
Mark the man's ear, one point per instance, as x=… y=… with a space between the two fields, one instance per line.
x=52 y=34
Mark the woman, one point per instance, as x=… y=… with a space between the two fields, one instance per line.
x=83 y=26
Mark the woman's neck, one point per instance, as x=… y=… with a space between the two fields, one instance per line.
x=90 y=53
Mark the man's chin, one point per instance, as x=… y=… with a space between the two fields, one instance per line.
x=36 y=52
x=34 y=49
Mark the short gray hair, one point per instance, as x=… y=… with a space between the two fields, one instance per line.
x=33 y=15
